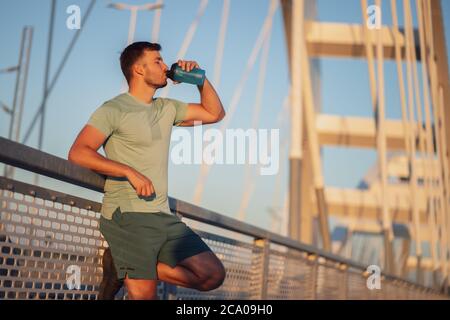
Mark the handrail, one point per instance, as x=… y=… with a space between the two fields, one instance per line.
x=28 y=158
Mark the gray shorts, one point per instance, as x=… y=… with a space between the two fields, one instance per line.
x=138 y=241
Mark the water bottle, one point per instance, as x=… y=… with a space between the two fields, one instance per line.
x=195 y=76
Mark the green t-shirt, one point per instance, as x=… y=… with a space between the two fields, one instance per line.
x=138 y=135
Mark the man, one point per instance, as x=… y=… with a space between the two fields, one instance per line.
x=147 y=242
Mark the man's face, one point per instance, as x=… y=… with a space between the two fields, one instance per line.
x=152 y=69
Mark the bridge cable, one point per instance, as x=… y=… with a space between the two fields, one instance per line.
x=204 y=170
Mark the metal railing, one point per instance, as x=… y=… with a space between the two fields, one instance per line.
x=48 y=237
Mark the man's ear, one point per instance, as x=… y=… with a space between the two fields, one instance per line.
x=138 y=69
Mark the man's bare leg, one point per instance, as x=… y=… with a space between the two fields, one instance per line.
x=141 y=289
x=110 y=284
x=203 y=272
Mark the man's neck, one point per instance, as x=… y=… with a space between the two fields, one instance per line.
x=142 y=93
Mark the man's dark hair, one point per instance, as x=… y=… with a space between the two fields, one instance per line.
x=132 y=53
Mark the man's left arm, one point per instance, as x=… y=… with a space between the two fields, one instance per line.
x=210 y=108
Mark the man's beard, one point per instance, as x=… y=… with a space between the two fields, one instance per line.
x=156 y=85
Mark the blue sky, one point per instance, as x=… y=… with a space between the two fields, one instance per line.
x=92 y=76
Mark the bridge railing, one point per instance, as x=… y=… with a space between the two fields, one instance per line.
x=50 y=239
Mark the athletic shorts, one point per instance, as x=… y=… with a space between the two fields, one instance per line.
x=138 y=241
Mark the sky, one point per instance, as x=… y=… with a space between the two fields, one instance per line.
x=92 y=75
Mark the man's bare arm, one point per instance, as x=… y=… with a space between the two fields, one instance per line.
x=210 y=108
x=84 y=153
x=210 y=100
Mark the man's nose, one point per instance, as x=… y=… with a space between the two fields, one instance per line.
x=165 y=67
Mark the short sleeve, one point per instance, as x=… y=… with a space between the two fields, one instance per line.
x=180 y=111
x=105 y=118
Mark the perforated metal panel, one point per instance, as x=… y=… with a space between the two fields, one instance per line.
x=356 y=286
x=291 y=276
x=42 y=239
x=43 y=243
x=329 y=285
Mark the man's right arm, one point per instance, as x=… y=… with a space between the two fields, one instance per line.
x=84 y=153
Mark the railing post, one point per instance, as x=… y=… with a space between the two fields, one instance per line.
x=169 y=291
x=314 y=261
x=264 y=244
x=343 y=288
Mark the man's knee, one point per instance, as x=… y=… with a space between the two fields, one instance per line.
x=212 y=279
